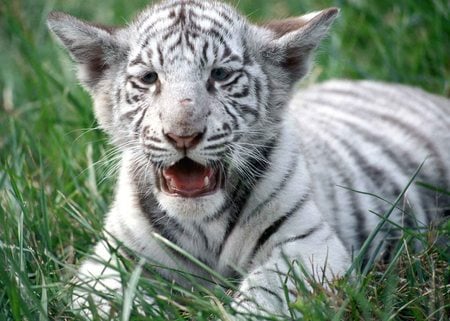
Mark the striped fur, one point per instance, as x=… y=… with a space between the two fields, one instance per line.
x=289 y=161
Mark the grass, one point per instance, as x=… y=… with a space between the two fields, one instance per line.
x=53 y=194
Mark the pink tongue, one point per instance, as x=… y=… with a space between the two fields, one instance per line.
x=187 y=175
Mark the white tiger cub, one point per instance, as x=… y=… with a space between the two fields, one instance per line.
x=218 y=158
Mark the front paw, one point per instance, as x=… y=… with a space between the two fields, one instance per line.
x=108 y=305
x=254 y=306
x=92 y=306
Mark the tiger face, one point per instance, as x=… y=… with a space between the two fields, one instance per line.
x=191 y=94
x=198 y=95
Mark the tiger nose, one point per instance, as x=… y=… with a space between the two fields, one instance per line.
x=184 y=142
x=187 y=102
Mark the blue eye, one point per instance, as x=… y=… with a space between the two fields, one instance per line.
x=149 y=78
x=220 y=74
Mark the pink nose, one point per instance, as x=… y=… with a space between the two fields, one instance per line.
x=184 y=142
x=186 y=102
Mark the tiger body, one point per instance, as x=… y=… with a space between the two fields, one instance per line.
x=221 y=161
x=371 y=137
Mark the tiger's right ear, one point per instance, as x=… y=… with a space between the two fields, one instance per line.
x=94 y=48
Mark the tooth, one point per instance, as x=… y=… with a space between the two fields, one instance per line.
x=206 y=181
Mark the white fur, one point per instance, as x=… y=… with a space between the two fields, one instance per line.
x=324 y=136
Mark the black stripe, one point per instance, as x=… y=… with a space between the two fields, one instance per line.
x=257 y=85
x=284 y=180
x=419 y=136
x=355 y=206
x=129 y=115
x=226 y=13
x=234 y=121
x=268 y=232
x=226 y=52
x=244 y=188
x=235 y=80
x=128 y=99
x=202 y=234
x=216 y=52
x=181 y=18
x=169 y=33
x=146 y=32
x=137 y=61
x=205 y=52
x=247 y=110
x=216 y=137
x=391 y=244
x=215 y=23
x=172 y=28
x=158 y=219
x=242 y=299
x=233 y=58
x=226 y=207
x=192 y=34
x=247 y=58
x=149 y=54
x=176 y=45
x=244 y=93
x=189 y=43
x=136 y=86
x=162 y=224
x=266 y=290
x=210 y=86
x=118 y=95
x=157 y=160
x=175 y=5
x=236 y=204
x=139 y=122
x=214 y=146
x=160 y=54
x=308 y=233
x=212 y=33
x=375 y=174
x=151 y=138
x=213 y=154
x=154 y=147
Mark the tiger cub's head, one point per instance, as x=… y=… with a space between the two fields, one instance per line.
x=192 y=93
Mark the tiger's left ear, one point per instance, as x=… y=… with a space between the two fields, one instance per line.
x=292 y=41
x=94 y=48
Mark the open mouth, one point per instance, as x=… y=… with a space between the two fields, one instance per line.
x=187 y=178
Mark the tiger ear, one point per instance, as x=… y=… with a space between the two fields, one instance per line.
x=94 y=48
x=293 y=41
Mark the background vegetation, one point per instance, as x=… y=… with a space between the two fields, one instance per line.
x=53 y=195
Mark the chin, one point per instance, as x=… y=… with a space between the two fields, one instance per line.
x=191 y=208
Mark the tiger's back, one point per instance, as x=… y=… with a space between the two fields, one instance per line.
x=365 y=137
